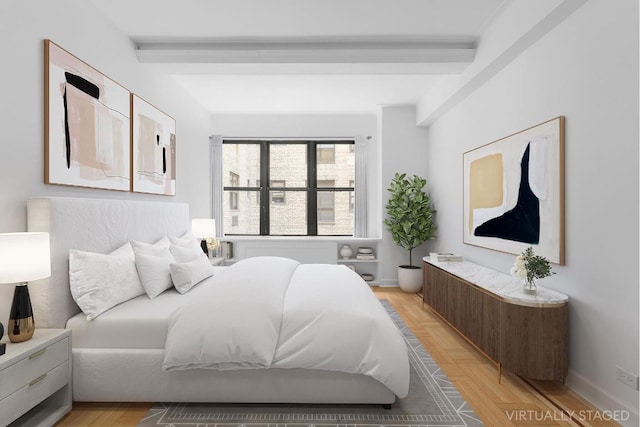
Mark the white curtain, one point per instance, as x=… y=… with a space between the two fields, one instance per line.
x=362 y=147
x=216 y=182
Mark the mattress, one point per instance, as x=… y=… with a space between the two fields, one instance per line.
x=138 y=323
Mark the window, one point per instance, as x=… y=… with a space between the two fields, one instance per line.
x=241 y=205
x=310 y=188
x=326 y=153
x=277 y=197
x=352 y=197
x=233 y=195
x=326 y=202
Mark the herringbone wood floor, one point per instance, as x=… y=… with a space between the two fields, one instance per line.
x=512 y=402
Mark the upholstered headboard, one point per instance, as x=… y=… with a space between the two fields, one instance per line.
x=92 y=225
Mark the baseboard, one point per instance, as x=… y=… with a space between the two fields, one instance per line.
x=602 y=400
x=389 y=283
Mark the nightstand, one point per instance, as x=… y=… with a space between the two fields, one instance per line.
x=217 y=260
x=36 y=379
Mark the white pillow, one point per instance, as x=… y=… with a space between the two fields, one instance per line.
x=152 y=262
x=186 y=253
x=180 y=247
x=99 y=282
x=187 y=239
x=151 y=248
x=188 y=274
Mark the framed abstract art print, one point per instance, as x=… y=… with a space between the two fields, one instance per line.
x=154 y=149
x=87 y=124
x=514 y=192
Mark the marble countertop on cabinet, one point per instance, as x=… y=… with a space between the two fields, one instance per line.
x=501 y=284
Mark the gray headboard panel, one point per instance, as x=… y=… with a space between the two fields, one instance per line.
x=93 y=225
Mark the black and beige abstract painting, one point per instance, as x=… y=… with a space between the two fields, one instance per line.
x=154 y=149
x=87 y=137
x=513 y=195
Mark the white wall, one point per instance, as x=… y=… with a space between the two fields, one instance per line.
x=404 y=150
x=78 y=27
x=587 y=70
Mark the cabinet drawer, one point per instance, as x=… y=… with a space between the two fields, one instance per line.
x=35 y=391
x=35 y=364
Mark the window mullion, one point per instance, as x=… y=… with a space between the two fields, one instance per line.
x=312 y=192
x=264 y=188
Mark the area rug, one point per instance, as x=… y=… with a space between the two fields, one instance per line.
x=432 y=401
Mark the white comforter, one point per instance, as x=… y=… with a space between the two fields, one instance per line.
x=270 y=312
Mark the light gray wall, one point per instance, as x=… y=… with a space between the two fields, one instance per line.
x=79 y=28
x=587 y=70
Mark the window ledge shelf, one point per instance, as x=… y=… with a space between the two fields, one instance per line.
x=299 y=239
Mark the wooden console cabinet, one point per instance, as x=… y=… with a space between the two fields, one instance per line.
x=525 y=334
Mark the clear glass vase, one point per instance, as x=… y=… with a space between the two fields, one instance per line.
x=530 y=287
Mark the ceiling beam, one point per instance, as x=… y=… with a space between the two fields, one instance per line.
x=306 y=51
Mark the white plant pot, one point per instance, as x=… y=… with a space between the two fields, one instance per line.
x=410 y=278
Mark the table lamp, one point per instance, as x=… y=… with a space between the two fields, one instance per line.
x=23 y=257
x=204 y=228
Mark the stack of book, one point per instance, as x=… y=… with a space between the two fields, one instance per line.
x=365 y=254
x=445 y=257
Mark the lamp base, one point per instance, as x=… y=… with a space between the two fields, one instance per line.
x=3 y=346
x=21 y=324
x=205 y=248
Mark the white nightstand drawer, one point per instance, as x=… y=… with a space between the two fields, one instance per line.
x=34 y=391
x=32 y=366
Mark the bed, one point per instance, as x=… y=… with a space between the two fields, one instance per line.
x=121 y=356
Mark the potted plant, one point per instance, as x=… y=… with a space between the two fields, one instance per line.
x=410 y=222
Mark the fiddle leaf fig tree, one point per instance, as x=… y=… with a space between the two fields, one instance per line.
x=409 y=211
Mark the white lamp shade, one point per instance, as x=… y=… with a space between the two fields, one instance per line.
x=24 y=257
x=203 y=228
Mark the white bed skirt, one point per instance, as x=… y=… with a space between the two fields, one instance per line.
x=135 y=375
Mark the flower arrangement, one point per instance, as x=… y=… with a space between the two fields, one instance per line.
x=529 y=266
x=212 y=243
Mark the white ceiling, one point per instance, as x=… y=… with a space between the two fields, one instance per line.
x=333 y=86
